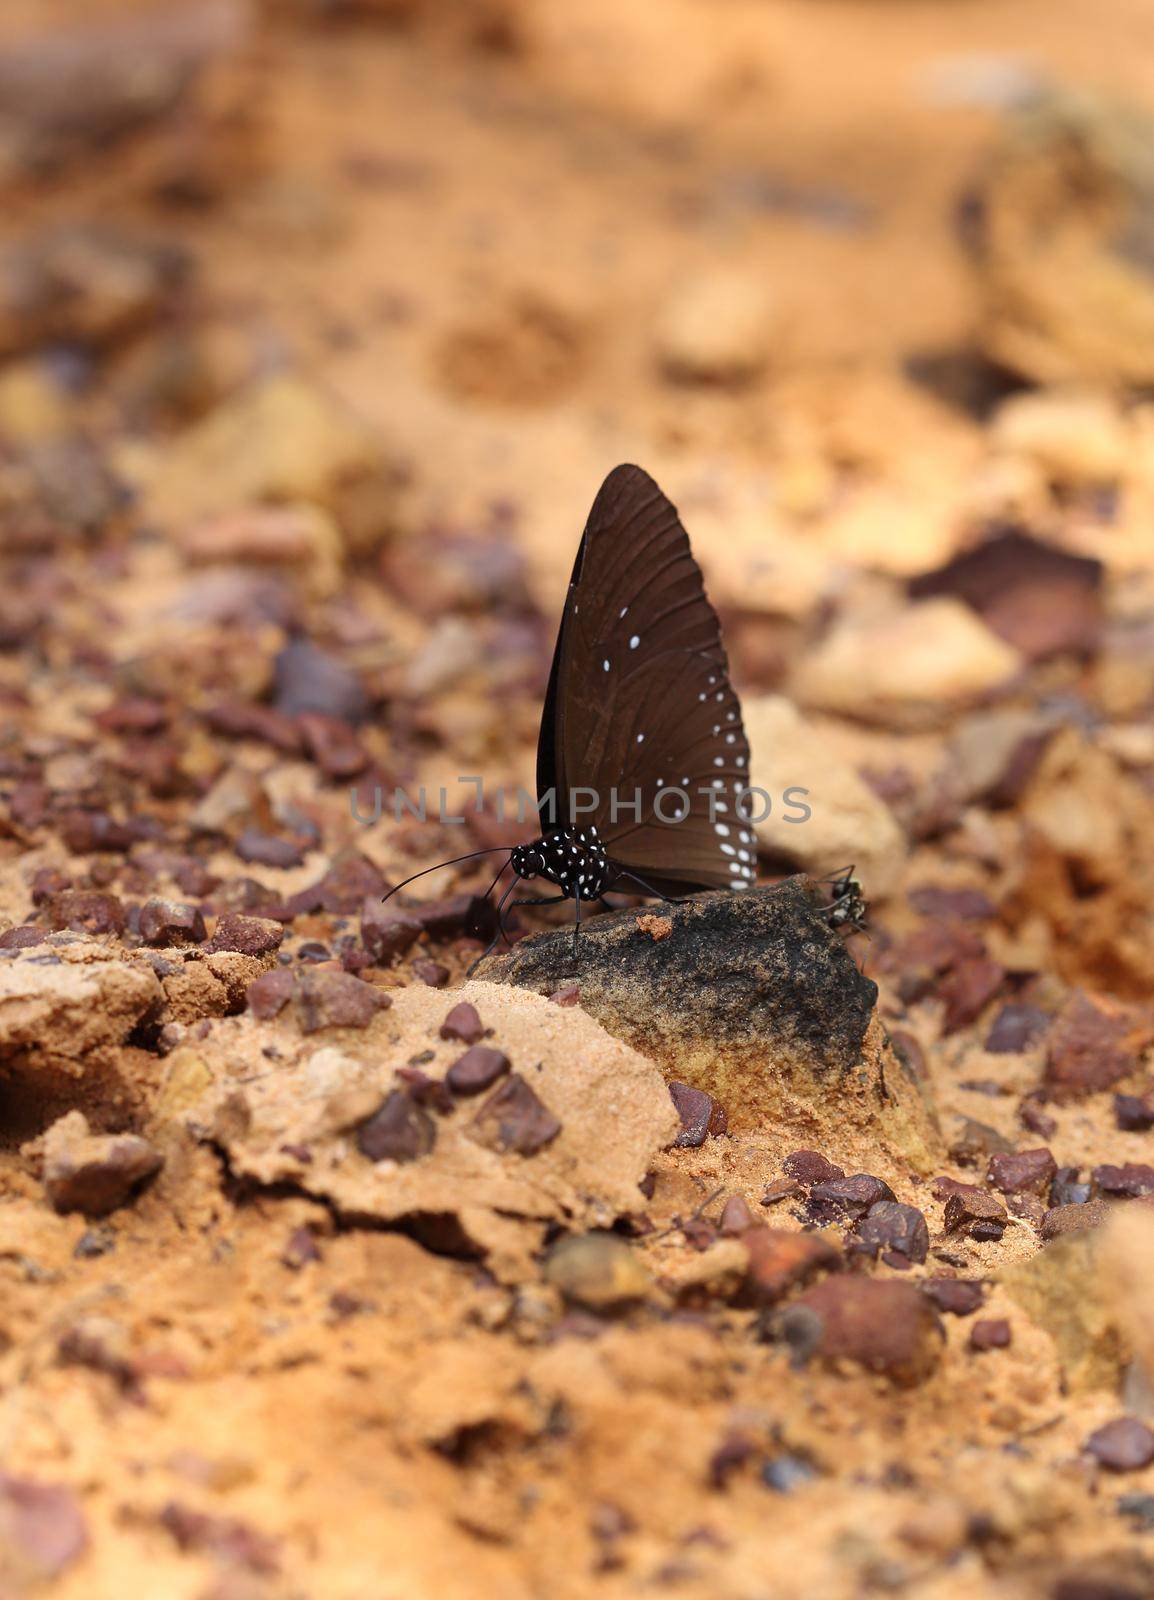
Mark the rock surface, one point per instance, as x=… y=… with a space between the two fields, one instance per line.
x=752 y=998
x=570 y=1140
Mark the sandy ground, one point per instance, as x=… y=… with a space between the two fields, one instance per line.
x=860 y=313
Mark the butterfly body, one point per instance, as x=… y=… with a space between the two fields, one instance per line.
x=572 y=858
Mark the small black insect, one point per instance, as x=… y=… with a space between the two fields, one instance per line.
x=847 y=907
x=639 y=702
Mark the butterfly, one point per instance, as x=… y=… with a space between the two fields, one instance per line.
x=642 y=758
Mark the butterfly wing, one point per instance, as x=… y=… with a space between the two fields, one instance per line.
x=640 y=700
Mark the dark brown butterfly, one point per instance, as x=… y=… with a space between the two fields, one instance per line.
x=642 y=759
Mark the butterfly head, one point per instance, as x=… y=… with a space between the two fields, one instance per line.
x=527 y=861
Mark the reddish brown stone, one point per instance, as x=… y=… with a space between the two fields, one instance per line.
x=426 y=1091
x=309 y=679
x=1025 y=1171
x=386 y=931
x=1035 y=1120
x=330 y=999
x=809 y=1167
x=431 y=973
x=1015 y=1028
x=248 y=898
x=1127 y=1181
x=779 y=1260
x=976 y=1141
x=300 y=1249
x=85 y=911
x=21 y=938
x=1124 y=1445
x=884 y=1326
x=969 y=1207
x=1090 y=1048
x=991 y=1333
x=463 y=1023
x=87 y=833
x=400 y=1130
x=1030 y=1207
x=351 y=882
x=968 y=990
x=848 y=1197
x=249 y=936
x=1134 y=1113
x=242 y=719
x=333 y=745
x=513 y=1118
x=270 y=993
x=268 y=849
x=165 y=922
x=1042 y=600
x=780 y=1189
x=894 y=1228
x=700 y=1115
x=736 y=1216
x=95 y=1173
x=970 y=905
x=1073 y=1218
x=477 y=1070
x=29 y=808
x=47 y=881
x=570 y=995
x=42 y=1530
x=957 y=1297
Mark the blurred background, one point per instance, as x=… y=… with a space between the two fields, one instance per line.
x=323 y=320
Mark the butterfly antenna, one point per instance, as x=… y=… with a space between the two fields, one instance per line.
x=452 y=862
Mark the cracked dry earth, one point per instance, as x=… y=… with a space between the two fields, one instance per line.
x=741 y=1261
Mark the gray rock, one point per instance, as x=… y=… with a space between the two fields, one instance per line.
x=751 y=997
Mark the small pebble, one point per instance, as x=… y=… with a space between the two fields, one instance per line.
x=957 y=1297
x=250 y=936
x=463 y=1023
x=736 y=1216
x=1030 y=1170
x=787 y=1473
x=400 y=1130
x=991 y=1333
x=431 y=973
x=809 y=1167
x=514 y=1118
x=268 y=995
x=165 y=922
x=1134 y=1113
x=700 y=1116
x=1129 y=1181
x=1124 y=1445
x=598 y=1271
x=477 y=1070
x=893 y=1228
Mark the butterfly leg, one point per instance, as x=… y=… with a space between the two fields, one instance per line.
x=577 y=929
x=500 y=933
x=668 y=899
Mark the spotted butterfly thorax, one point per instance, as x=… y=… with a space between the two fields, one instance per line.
x=639 y=712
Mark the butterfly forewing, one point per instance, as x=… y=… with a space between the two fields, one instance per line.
x=639 y=699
